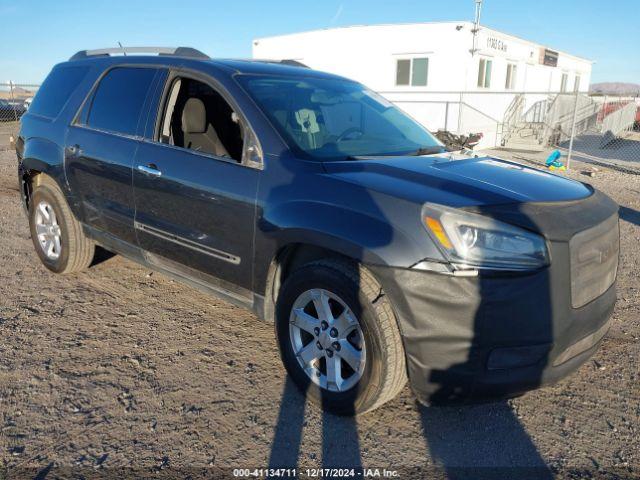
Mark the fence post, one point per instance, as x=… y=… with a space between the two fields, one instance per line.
x=573 y=131
x=13 y=105
x=446 y=117
x=459 y=132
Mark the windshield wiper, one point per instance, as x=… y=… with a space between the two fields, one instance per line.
x=426 y=151
x=420 y=151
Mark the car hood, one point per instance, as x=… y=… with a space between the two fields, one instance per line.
x=457 y=183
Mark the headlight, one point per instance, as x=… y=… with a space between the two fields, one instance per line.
x=471 y=240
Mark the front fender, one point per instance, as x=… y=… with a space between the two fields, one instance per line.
x=368 y=238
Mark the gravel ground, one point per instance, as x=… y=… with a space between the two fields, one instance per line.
x=119 y=367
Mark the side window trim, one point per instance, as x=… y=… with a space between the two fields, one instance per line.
x=169 y=109
x=152 y=97
x=179 y=73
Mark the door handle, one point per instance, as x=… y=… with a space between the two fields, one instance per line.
x=150 y=169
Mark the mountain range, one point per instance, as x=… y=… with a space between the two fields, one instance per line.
x=615 y=88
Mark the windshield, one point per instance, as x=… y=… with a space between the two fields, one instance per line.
x=334 y=119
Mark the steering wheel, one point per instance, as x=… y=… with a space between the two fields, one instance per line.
x=348 y=132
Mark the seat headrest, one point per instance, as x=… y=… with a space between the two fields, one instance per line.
x=194 y=116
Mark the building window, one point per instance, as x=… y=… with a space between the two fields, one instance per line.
x=414 y=72
x=512 y=72
x=403 y=72
x=576 y=84
x=563 y=82
x=484 y=73
x=419 y=72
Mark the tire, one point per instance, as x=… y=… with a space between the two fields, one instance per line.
x=382 y=370
x=76 y=250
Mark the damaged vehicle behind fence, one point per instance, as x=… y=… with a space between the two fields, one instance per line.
x=325 y=209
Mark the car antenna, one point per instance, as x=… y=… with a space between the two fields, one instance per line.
x=123 y=50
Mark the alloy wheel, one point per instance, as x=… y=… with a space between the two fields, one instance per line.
x=327 y=340
x=48 y=230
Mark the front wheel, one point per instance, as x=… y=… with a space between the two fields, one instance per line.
x=339 y=338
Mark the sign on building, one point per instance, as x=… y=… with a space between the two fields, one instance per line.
x=549 y=58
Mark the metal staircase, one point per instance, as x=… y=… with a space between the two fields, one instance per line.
x=522 y=130
x=547 y=122
x=525 y=136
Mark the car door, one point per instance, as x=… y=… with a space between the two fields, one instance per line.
x=100 y=148
x=195 y=209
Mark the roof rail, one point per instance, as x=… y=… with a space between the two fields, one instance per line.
x=286 y=61
x=293 y=63
x=164 y=51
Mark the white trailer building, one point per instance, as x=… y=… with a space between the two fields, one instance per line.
x=446 y=74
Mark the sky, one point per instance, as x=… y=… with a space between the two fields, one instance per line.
x=37 y=34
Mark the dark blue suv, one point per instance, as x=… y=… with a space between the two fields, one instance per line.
x=325 y=209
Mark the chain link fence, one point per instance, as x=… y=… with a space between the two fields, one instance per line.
x=598 y=128
x=15 y=100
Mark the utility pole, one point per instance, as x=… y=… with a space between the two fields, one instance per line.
x=475 y=31
x=476 y=26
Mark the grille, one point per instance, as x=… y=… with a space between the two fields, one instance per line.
x=594 y=261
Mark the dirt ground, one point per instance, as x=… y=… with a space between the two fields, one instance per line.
x=119 y=368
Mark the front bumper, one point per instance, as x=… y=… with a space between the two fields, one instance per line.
x=499 y=335
x=487 y=337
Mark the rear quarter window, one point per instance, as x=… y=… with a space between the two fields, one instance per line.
x=118 y=100
x=56 y=90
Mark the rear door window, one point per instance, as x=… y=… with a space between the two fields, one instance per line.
x=56 y=90
x=119 y=99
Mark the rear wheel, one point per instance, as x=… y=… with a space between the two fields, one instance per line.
x=57 y=236
x=339 y=338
